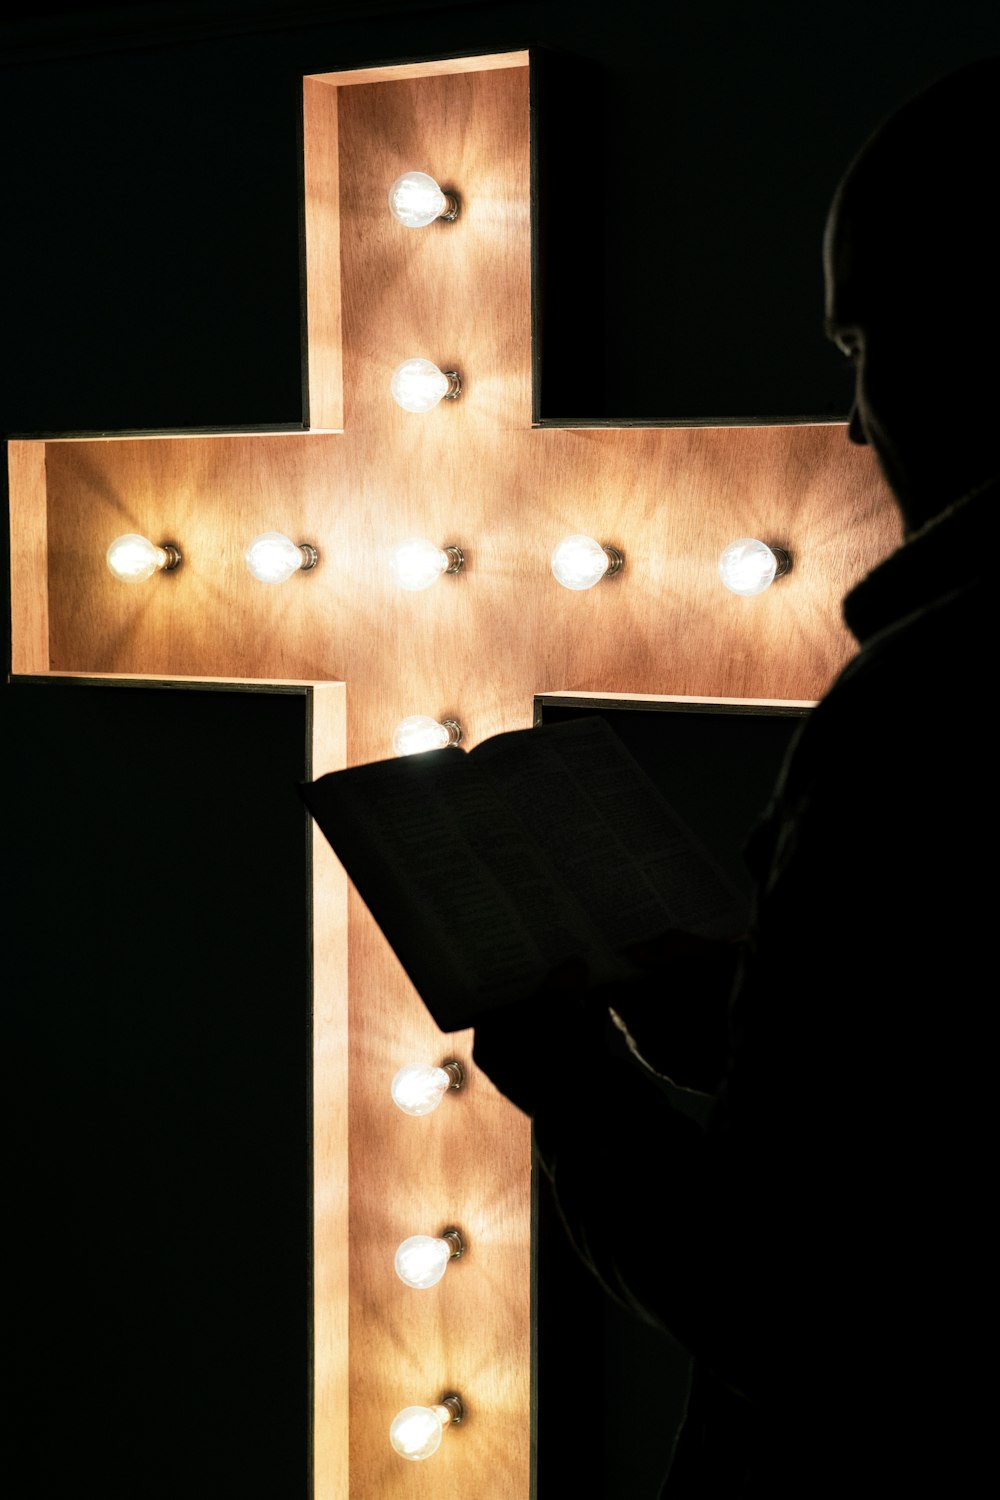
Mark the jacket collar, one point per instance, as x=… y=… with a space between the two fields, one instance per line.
x=949 y=552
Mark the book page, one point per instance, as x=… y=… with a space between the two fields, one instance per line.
x=487 y=869
x=468 y=900
x=632 y=863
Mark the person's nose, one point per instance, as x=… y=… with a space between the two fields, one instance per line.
x=855 y=431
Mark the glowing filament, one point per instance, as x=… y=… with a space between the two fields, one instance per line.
x=417 y=1089
x=134 y=558
x=272 y=557
x=416 y=201
x=418 y=385
x=748 y=566
x=416 y=1431
x=578 y=562
x=419 y=732
x=417 y=563
x=422 y=1259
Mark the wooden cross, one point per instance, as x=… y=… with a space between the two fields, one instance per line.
x=480 y=473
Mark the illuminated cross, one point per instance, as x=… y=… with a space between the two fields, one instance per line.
x=476 y=473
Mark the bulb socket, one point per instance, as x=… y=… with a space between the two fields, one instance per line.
x=310 y=557
x=173 y=556
x=454 y=729
x=456 y=559
x=616 y=559
x=783 y=559
x=454 y=387
x=451 y=213
x=454 y=1238
x=455 y=1072
x=454 y=1405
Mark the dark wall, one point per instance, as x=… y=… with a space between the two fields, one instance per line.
x=151 y=274
x=152 y=155
x=156 y=1046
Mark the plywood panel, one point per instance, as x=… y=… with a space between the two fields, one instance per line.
x=479 y=643
x=322 y=231
x=28 y=557
x=457 y=294
x=331 y=1157
x=467 y=1164
x=433 y=68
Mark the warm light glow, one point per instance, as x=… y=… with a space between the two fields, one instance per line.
x=417 y=1089
x=417 y=563
x=422 y=1259
x=134 y=558
x=416 y=201
x=272 y=557
x=748 y=566
x=416 y=1431
x=418 y=385
x=578 y=562
x=420 y=732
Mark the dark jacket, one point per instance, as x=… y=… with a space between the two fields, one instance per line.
x=827 y=1247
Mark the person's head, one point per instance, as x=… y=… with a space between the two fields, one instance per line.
x=910 y=258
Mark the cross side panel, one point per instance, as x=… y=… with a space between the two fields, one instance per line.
x=331 y=1135
x=322 y=243
x=29 y=599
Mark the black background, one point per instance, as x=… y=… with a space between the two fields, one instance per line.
x=151 y=257
x=150 y=267
x=157 y=1054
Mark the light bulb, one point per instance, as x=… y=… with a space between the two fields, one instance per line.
x=417 y=385
x=416 y=1431
x=579 y=562
x=417 y=563
x=422 y=1259
x=418 y=1088
x=420 y=732
x=749 y=567
x=416 y=201
x=272 y=557
x=135 y=558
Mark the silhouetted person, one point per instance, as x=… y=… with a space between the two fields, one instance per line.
x=828 y=1258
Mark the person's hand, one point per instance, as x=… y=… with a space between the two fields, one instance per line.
x=520 y=1047
x=675 y=1012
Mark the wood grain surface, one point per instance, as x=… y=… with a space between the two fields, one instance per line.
x=430 y=68
x=475 y=646
x=29 y=590
x=321 y=175
x=331 y=1126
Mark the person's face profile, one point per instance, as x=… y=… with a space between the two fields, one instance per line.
x=845 y=332
x=872 y=326
x=910 y=292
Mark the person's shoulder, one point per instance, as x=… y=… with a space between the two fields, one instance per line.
x=932 y=649
x=905 y=715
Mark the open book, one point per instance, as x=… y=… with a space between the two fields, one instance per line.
x=487 y=868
